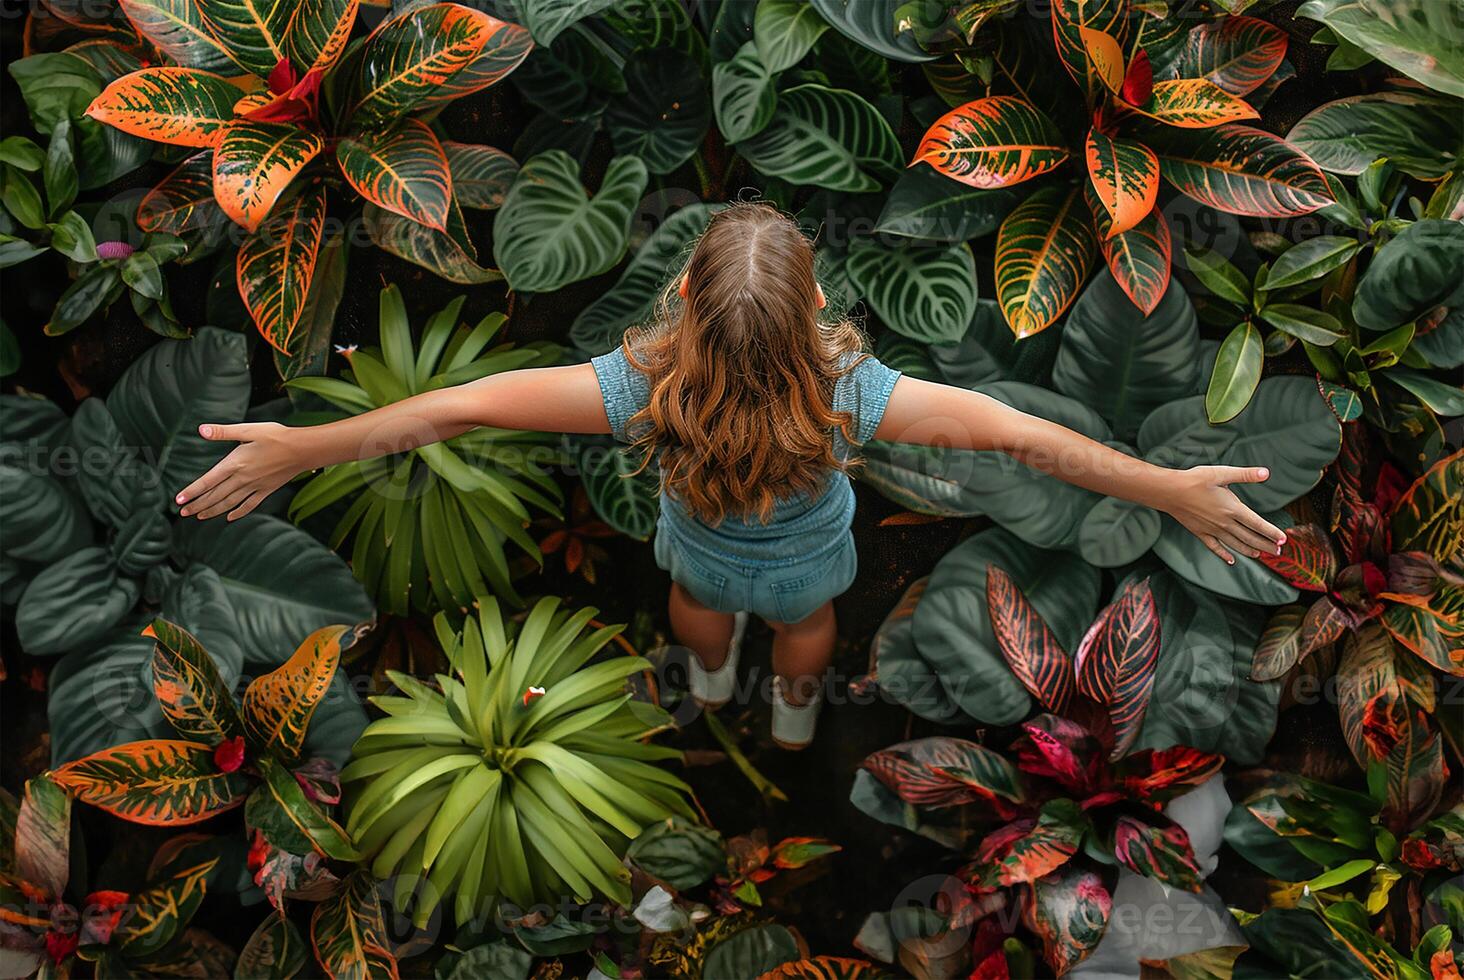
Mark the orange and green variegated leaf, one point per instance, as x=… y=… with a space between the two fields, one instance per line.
x=1279 y=648
x=1307 y=560
x=176 y=28
x=1068 y=912
x=166 y=782
x=404 y=171
x=1027 y=850
x=252 y=30
x=1044 y=250
x=1241 y=170
x=946 y=772
x=1430 y=514
x=276 y=265
x=42 y=845
x=1159 y=775
x=1427 y=635
x=348 y=932
x=1323 y=624
x=1031 y=651
x=797 y=852
x=318 y=32
x=1125 y=178
x=1140 y=258
x=189 y=688
x=254 y=164
x=1156 y=847
x=159 y=913
x=1117 y=658
x=181 y=106
x=278 y=705
x=1236 y=53
x=183 y=201
x=827 y=968
x=1194 y=103
x=1105 y=57
x=1365 y=674
x=427 y=55
x=993 y=142
x=1112 y=17
x=327 y=835
x=1417 y=776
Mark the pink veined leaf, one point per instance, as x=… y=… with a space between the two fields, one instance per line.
x=1117 y=659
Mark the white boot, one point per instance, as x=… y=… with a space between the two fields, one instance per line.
x=793 y=725
x=712 y=689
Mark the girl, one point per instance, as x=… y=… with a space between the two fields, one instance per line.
x=754 y=409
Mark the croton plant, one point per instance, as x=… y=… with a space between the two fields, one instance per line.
x=283 y=107
x=1058 y=821
x=1158 y=101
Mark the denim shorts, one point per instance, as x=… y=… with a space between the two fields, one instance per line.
x=784 y=590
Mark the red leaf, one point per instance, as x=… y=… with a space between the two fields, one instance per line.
x=1157 y=850
x=945 y=772
x=101 y=911
x=1138 y=81
x=1063 y=751
x=229 y=754
x=1157 y=776
x=1116 y=661
x=60 y=945
x=1032 y=652
x=1384 y=723
x=1307 y=559
x=283 y=77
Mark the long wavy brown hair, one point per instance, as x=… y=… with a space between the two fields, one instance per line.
x=742 y=371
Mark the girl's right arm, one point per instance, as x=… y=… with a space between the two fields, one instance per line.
x=269 y=455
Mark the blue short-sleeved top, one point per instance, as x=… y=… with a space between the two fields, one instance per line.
x=798 y=522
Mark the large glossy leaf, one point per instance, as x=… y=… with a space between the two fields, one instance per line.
x=664 y=113
x=785 y=31
x=426 y=55
x=161 y=781
x=871 y=23
x=952 y=626
x=1241 y=170
x=178 y=30
x=993 y=142
x=276 y=265
x=947 y=772
x=278 y=705
x=547 y=19
x=182 y=106
x=924 y=292
x=743 y=94
x=1419 y=132
x=1236 y=53
x=450 y=254
x=43 y=520
x=1420 y=268
x=1106 y=339
x=348 y=932
x=625 y=494
x=162 y=911
x=1247 y=580
x=481 y=175
x=1420 y=38
x=1307 y=559
x=253 y=32
x=255 y=162
x=1287 y=427
x=1116 y=532
x=550 y=233
x=1194 y=103
x=1069 y=20
x=282 y=583
x=927 y=205
x=1043 y=253
x=183 y=201
x=190 y=688
x=826 y=137
x=600 y=325
x=403 y=170
x=1068 y=913
x=900 y=671
x=1117 y=659
x=73 y=602
x=1139 y=258
x=1031 y=651
x=1125 y=178
x=1236 y=373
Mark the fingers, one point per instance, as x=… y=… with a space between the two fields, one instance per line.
x=222 y=487
x=216 y=475
x=1250 y=542
x=215 y=432
x=250 y=502
x=1214 y=545
x=1241 y=474
x=224 y=503
x=1272 y=533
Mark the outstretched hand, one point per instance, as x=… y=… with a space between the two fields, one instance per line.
x=1202 y=501
x=264 y=461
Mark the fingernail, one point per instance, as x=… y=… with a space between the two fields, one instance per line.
x=1265 y=473
x=179 y=499
x=205 y=430
x=1278 y=549
x=1230 y=560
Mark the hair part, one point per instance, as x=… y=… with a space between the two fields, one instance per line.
x=742 y=371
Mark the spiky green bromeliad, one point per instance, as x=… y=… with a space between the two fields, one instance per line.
x=495 y=797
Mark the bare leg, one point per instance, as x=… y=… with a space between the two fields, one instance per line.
x=802 y=652
x=704 y=631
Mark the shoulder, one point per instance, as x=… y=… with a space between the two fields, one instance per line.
x=863 y=390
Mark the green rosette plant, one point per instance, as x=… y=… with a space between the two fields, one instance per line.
x=519 y=777
x=430 y=525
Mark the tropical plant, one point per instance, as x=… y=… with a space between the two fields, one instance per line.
x=1064 y=816
x=430 y=524
x=226 y=755
x=308 y=87
x=1185 y=126
x=107 y=933
x=1331 y=938
x=520 y=777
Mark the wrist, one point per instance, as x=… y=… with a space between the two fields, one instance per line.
x=1166 y=488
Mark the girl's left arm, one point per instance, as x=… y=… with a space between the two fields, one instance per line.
x=941 y=415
